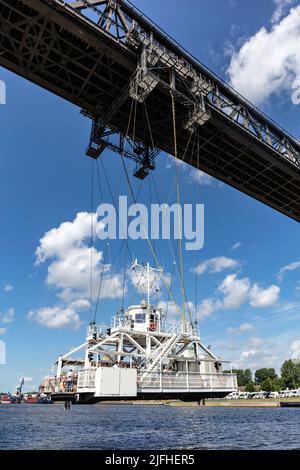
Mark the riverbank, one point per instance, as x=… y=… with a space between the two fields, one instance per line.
x=243 y=403
x=254 y=403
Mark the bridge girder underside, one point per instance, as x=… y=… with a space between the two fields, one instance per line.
x=68 y=55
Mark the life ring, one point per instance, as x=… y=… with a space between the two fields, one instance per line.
x=152 y=326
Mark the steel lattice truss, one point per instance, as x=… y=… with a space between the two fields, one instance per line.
x=105 y=55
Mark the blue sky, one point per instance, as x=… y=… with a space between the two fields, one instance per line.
x=247 y=311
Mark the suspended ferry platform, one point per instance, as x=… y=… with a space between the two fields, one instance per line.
x=140 y=356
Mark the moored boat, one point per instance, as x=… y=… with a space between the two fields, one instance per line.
x=32 y=400
x=38 y=400
x=6 y=400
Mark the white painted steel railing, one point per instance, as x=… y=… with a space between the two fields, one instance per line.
x=166 y=380
x=150 y=380
x=86 y=378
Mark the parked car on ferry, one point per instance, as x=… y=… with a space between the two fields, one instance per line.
x=294 y=393
x=232 y=396
x=273 y=395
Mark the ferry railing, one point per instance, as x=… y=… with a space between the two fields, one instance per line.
x=191 y=380
x=60 y=385
x=94 y=329
x=179 y=327
x=86 y=378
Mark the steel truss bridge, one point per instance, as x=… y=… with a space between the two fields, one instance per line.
x=107 y=58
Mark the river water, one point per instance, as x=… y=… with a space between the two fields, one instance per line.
x=147 y=427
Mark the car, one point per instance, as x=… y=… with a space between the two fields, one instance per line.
x=233 y=396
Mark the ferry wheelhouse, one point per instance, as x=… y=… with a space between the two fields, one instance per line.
x=140 y=356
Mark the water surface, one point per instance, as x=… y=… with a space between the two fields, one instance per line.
x=147 y=427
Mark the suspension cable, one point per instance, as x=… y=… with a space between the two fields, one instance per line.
x=197 y=257
x=142 y=225
x=172 y=275
x=124 y=277
x=99 y=182
x=173 y=252
x=114 y=203
x=117 y=213
x=100 y=282
x=175 y=260
x=179 y=213
x=113 y=279
x=147 y=237
x=92 y=235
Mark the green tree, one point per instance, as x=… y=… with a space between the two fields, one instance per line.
x=261 y=375
x=247 y=376
x=268 y=385
x=244 y=377
x=279 y=384
x=250 y=387
x=290 y=373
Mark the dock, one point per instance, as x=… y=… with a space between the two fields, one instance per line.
x=290 y=404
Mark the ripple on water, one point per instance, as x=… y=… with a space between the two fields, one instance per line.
x=147 y=427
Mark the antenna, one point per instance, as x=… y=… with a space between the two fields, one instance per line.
x=149 y=274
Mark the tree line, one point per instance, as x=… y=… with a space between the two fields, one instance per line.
x=267 y=379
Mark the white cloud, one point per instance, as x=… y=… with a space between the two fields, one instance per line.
x=26 y=379
x=175 y=311
x=171 y=309
x=2 y=331
x=80 y=304
x=243 y=328
x=255 y=341
x=8 y=288
x=206 y=308
x=55 y=317
x=297 y=287
x=198 y=176
x=254 y=358
x=287 y=307
x=72 y=262
x=236 y=246
x=257 y=352
x=71 y=258
x=8 y=316
x=264 y=297
x=295 y=349
x=249 y=353
x=268 y=62
x=192 y=174
x=238 y=291
x=288 y=267
x=57 y=241
x=216 y=265
x=280 y=10
x=235 y=291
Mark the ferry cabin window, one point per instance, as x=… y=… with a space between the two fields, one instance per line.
x=140 y=318
x=193 y=366
x=153 y=317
